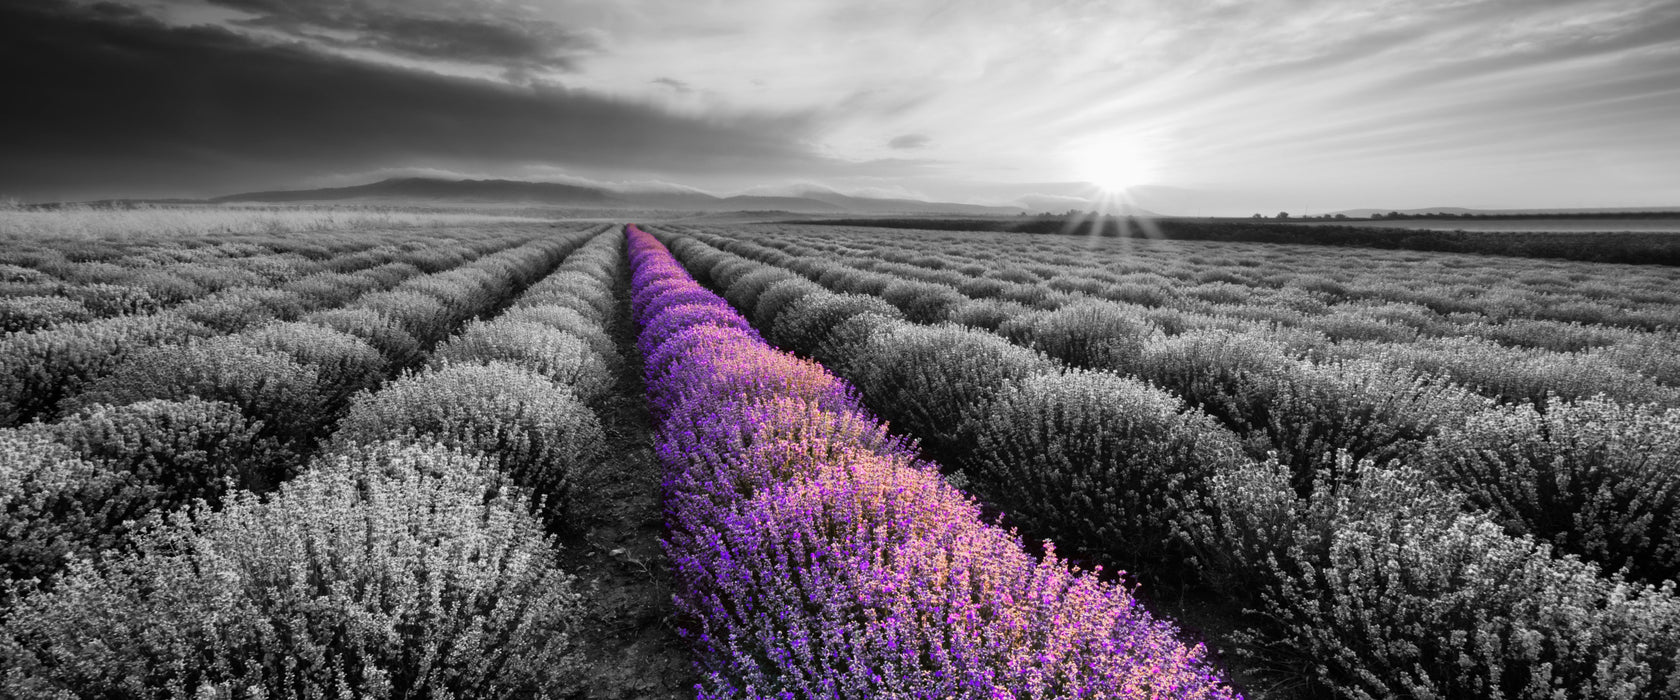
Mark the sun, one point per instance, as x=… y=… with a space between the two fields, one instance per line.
x=1114 y=164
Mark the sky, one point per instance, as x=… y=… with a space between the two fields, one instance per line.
x=1184 y=106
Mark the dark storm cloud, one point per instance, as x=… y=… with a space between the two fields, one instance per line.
x=909 y=141
x=453 y=32
x=105 y=96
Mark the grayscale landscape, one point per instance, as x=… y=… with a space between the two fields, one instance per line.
x=1282 y=350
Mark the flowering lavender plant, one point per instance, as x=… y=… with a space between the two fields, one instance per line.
x=816 y=556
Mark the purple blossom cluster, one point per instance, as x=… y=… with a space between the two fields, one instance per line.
x=816 y=556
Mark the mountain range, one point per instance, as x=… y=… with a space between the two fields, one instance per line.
x=811 y=200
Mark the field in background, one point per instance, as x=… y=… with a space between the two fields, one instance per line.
x=1516 y=225
x=18 y=223
x=1632 y=245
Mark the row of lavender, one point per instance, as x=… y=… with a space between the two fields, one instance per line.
x=39 y=368
x=409 y=559
x=1369 y=576
x=815 y=556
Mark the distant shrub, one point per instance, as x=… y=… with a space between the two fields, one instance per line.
x=21 y=314
x=1362 y=409
x=421 y=316
x=1515 y=375
x=985 y=314
x=561 y=356
x=40 y=369
x=379 y=331
x=1106 y=464
x=743 y=292
x=1593 y=477
x=534 y=430
x=1086 y=334
x=344 y=363
x=176 y=450
x=462 y=291
x=934 y=382
x=264 y=385
x=331 y=289
x=165 y=286
x=1226 y=374
x=805 y=324
x=227 y=313
x=981 y=287
x=1357 y=325
x=563 y=289
x=922 y=302
x=1556 y=336
x=566 y=319
x=778 y=297
x=1141 y=294
x=1648 y=354
x=409 y=572
x=105 y=300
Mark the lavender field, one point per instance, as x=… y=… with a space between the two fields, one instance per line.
x=500 y=459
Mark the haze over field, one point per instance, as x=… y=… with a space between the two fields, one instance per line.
x=1190 y=107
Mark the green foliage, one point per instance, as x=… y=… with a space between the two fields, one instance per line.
x=533 y=429
x=1593 y=477
x=398 y=572
x=1107 y=464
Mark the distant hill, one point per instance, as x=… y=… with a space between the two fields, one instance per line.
x=425 y=189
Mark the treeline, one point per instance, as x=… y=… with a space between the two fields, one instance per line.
x=1631 y=247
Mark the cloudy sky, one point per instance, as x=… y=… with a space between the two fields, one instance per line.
x=1215 y=107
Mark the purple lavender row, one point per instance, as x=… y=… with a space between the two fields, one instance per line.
x=816 y=556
